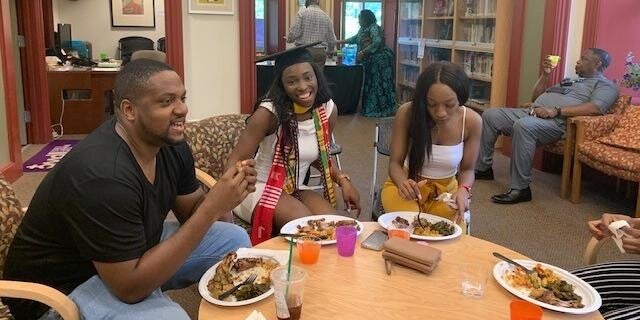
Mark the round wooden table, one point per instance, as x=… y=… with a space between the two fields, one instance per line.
x=358 y=287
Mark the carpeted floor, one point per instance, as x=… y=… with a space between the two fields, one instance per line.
x=548 y=229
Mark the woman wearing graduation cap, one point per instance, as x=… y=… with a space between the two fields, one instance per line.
x=290 y=128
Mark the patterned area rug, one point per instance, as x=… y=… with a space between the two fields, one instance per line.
x=48 y=156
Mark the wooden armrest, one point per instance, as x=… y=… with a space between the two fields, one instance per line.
x=591 y=252
x=53 y=298
x=205 y=178
x=593 y=127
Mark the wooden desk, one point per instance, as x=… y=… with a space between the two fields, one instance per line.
x=81 y=116
x=358 y=287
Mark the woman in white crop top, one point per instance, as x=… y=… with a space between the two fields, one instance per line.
x=434 y=139
x=288 y=132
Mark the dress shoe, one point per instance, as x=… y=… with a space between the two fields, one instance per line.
x=513 y=196
x=484 y=175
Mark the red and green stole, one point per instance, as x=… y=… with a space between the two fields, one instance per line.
x=283 y=177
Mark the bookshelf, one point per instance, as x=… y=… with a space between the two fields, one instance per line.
x=473 y=33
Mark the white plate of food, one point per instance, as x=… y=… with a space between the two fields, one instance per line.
x=321 y=227
x=436 y=228
x=562 y=291
x=237 y=267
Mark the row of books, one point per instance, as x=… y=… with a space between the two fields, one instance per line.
x=478 y=63
x=479 y=32
x=479 y=7
x=410 y=10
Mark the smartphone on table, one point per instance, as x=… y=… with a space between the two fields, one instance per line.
x=375 y=240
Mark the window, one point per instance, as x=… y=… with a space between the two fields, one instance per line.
x=351 y=10
x=260 y=26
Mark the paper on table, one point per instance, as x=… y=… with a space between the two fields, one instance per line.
x=616 y=229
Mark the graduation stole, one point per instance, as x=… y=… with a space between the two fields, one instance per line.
x=283 y=177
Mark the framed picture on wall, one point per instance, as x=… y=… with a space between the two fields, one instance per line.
x=133 y=13
x=211 y=6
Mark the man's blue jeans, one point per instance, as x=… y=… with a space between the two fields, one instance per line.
x=95 y=301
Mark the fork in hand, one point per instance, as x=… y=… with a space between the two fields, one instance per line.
x=249 y=280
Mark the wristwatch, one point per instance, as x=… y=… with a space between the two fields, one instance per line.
x=558 y=111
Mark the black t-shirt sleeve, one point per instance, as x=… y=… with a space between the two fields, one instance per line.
x=106 y=219
x=187 y=182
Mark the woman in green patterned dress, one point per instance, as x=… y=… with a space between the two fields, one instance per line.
x=379 y=94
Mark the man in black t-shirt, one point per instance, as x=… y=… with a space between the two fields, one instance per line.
x=96 y=228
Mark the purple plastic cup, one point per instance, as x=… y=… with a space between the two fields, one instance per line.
x=346 y=240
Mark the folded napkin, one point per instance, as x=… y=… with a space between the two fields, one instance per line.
x=282 y=256
x=256 y=315
x=401 y=251
x=617 y=232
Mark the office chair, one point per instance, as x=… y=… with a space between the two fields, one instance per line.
x=149 y=54
x=381 y=146
x=161 y=46
x=128 y=45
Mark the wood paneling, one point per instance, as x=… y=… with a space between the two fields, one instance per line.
x=13 y=169
x=246 y=13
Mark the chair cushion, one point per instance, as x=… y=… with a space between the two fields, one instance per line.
x=212 y=139
x=624 y=135
x=611 y=160
x=620 y=105
x=556 y=147
x=10 y=217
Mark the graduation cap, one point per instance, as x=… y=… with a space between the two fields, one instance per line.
x=289 y=57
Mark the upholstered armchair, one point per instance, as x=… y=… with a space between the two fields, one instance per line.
x=11 y=214
x=609 y=144
x=566 y=147
x=211 y=141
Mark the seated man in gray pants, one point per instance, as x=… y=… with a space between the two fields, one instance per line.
x=544 y=121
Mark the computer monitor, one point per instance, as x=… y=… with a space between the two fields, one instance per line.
x=64 y=37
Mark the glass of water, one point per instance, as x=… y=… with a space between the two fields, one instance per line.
x=473 y=279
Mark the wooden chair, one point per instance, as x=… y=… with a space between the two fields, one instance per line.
x=566 y=147
x=11 y=214
x=608 y=144
x=591 y=252
x=212 y=140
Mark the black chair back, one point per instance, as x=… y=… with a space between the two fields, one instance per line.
x=128 y=45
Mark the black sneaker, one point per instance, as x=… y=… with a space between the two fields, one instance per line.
x=484 y=175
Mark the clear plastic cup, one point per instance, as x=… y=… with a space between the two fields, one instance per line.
x=346 y=240
x=288 y=293
x=473 y=280
x=524 y=310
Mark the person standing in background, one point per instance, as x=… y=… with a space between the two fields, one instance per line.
x=379 y=93
x=313 y=25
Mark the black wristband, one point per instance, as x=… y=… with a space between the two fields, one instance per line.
x=558 y=111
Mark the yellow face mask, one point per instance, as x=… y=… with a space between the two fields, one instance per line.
x=298 y=109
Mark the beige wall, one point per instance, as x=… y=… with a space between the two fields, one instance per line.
x=574 y=43
x=91 y=21
x=212 y=62
x=531 y=42
x=4 y=136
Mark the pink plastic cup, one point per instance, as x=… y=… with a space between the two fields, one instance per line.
x=346 y=240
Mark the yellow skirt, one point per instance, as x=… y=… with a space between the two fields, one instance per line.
x=392 y=201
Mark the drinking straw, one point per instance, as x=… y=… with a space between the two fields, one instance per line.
x=289 y=267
